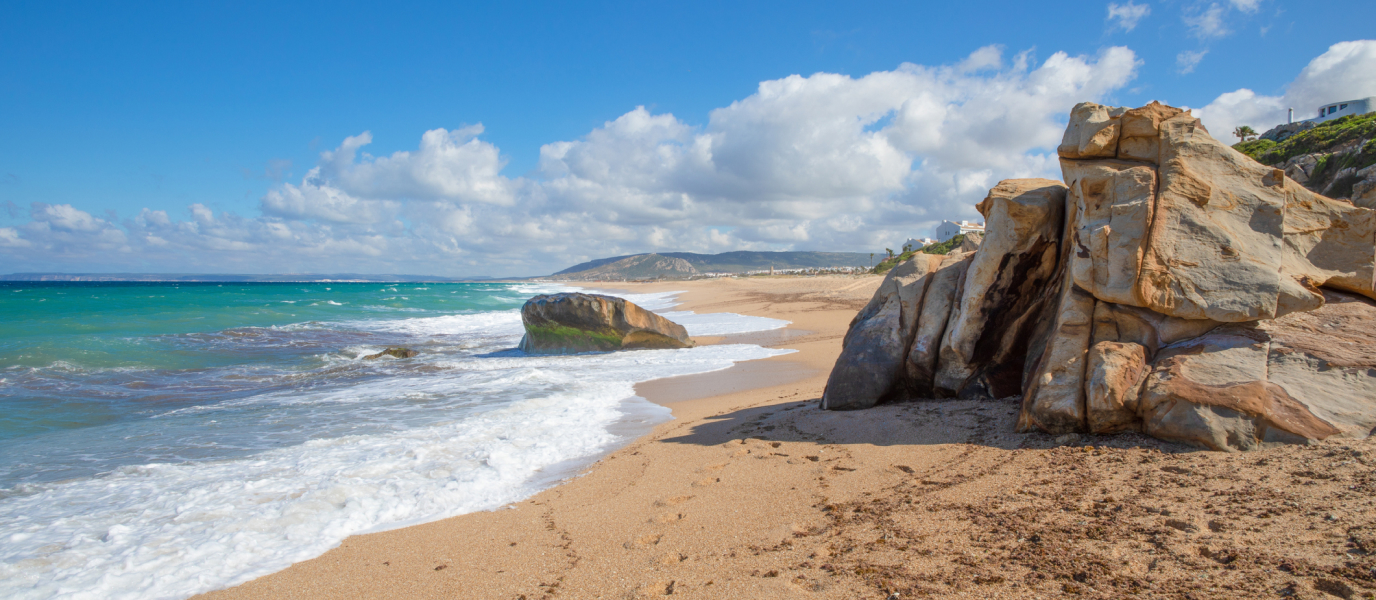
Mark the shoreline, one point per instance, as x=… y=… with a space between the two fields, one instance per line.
x=690 y=399
x=757 y=493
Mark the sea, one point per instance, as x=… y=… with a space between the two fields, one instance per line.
x=159 y=440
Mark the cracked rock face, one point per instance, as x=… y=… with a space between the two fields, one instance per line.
x=1171 y=285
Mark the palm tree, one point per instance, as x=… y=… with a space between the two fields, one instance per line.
x=1244 y=133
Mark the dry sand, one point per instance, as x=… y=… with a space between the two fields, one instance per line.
x=752 y=492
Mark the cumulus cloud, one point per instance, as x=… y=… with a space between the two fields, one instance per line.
x=1345 y=71
x=823 y=161
x=449 y=165
x=1126 y=16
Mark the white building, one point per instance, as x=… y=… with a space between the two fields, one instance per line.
x=918 y=243
x=1332 y=111
x=949 y=229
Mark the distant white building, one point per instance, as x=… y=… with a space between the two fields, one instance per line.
x=1335 y=110
x=949 y=229
x=918 y=243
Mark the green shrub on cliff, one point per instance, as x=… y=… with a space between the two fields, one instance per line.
x=1325 y=137
x=937 y=248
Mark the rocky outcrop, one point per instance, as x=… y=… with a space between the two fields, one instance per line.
x=394 y=352
x=570 y=323
x=1172 y=285
x=873 y=350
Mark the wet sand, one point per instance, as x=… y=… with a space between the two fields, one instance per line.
x=752 y=492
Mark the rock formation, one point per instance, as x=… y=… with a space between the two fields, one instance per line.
x=1172 y=285
x=394 y=352
x=570 y=323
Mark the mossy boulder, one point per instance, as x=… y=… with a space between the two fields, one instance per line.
x=570 y=323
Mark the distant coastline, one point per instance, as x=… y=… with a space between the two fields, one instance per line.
x=249 y=278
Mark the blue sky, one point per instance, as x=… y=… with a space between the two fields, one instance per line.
x=182 y=136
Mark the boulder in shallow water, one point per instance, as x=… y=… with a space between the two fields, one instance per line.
x=397 y=352
x=570 y=323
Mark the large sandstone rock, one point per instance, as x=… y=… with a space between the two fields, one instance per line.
x=1092 y=133
x=1054 y=400
x=1232 y=240
x=1173 y=286
x=1114 y=373
x=570 y=323
x=1141 y=131
x=1242 y=386
x=921 y=363
x=990 y=324
x=1113 y=206
x=871 y=360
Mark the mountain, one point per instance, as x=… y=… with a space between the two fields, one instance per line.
x=687 y=264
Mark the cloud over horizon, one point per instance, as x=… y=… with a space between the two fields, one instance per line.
x=825 y=161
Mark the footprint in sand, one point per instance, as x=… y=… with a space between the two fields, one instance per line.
x=668 y=518
x=672 y=558
x=644 y=541
x=675 y=501
x=706 y=481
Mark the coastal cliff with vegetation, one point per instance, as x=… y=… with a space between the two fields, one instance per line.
x=1336 y=158
x=684 y=265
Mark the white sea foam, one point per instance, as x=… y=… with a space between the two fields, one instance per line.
x=473 y=433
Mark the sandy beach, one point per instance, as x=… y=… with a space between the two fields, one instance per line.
x=753 y=492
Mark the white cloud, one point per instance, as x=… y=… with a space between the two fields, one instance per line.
x=449 y=165
x=1247 y=6
x=1207 y=23
x=824 y=161
x=1346 y=71
x=1185 y=62
x=63 y=217
x=1126 y=16
x=9 y=238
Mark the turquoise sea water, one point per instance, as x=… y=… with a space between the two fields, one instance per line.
x=160 y=440
x=101 y=350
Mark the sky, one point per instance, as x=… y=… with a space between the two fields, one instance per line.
x=521 y=138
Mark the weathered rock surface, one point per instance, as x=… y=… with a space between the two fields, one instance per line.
x=1232 y=240
x=1172 y=286
x=1114 y=375
x=872 y=353
x=921 y=364
x=1304 y=376
x=993 y=319
x=570 y=323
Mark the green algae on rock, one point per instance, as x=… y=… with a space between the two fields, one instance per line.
x=570 y=323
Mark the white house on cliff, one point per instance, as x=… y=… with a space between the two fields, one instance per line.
x=1335 y=110
x=949 y=229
